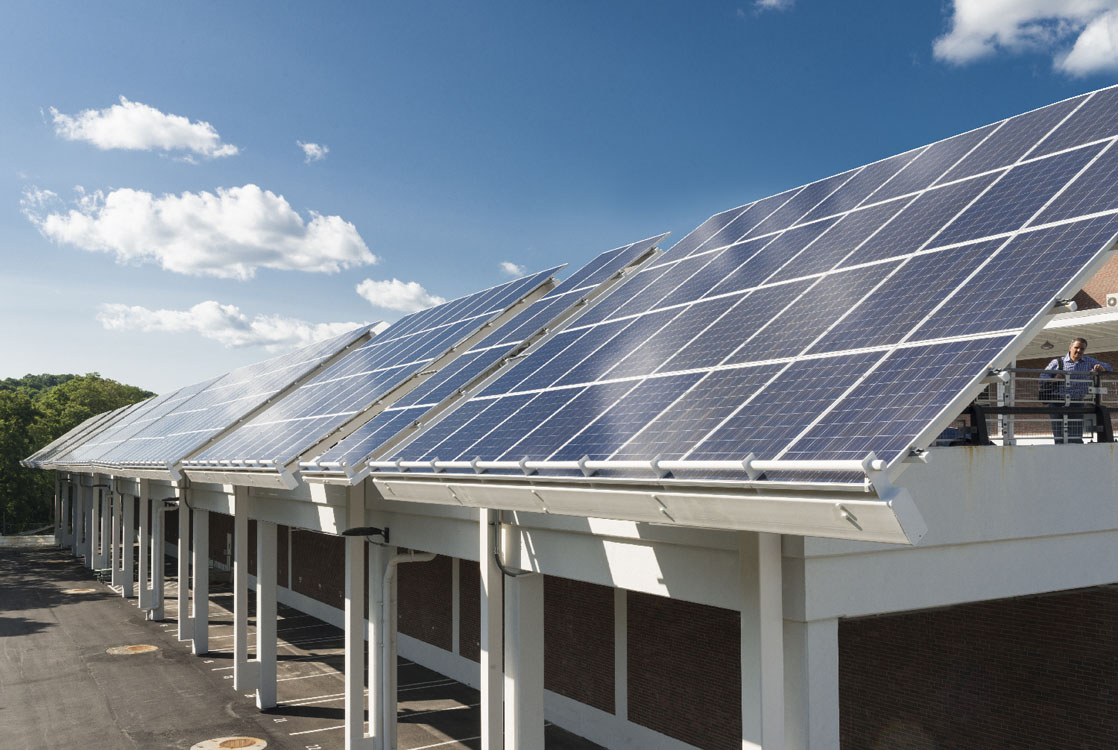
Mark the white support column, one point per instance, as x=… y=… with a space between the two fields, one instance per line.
x=379 y=558
x=94 y=559
x=201 y=588
x=77 y=514
x=129 y=503
x=355 y=626
x=244 y=672
x=145 y=545
x=114 y=514
x=56 y=507
x=812 y=689
x=186 y=622
x=761 y=641
x=524 y=661
x=158 y=559
x=492 y=653
x=265 y=614
x=88 y=526
x=67 y=514
x=104 y=500
x=621 y=654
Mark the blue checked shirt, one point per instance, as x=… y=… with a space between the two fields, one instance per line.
x=1077 y=388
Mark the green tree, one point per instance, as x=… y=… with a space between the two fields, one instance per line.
x=35 y=410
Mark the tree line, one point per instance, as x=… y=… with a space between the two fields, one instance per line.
x=35 y=410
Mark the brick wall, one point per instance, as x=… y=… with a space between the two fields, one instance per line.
x=318 y=566
x=684 y=670
x=221 y=536
x=578 y=641
x=282 y=573
x=1033 y=672
x=1102 y=283
x=469 y=610
x=424 y=604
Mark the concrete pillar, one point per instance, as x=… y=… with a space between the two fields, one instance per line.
x=93 y=558
x=266 y=614
x=56 y=510
x=761 y=644
x=88 y=526
x=158 y=558
x=115 y=514
x=244 y=672
x=524 y=661
x=77 y=515
x=382 y=700
x=492 y=654
x=104 y=503
x=186 y=623
x=201 y=589
x=811 y=709
x=355 y=626
x=145 y=545
x=129 y=503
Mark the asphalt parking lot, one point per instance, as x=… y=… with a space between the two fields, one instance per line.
x=60 y=688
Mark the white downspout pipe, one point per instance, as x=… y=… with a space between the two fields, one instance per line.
x=388 y=644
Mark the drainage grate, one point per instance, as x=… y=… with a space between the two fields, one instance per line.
x=227 y=743
x=142 y=648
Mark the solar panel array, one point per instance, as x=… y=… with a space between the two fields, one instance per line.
x=346 y=388
x=483 y=356
x=163 y=429
x=846 y=316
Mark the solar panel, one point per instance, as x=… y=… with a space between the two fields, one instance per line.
x=511 y=338
x=45 y=456
x=852 y=315
x=200 y=413
x=347 y=388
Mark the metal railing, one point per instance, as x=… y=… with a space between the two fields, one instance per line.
x=1021 y=407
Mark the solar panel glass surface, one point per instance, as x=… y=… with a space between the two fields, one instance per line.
x=353 y=384
x=487 y=353
x=851 y=314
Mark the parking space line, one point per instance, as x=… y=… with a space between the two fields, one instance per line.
x=448 y=742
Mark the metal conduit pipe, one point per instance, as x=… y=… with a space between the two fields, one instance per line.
x=387 y=645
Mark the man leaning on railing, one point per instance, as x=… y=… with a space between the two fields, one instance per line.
x=1071 y=390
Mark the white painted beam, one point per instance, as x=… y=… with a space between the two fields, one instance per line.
x=186 y=622
x=244 y=672
x=145 y=545
x=524 y=715
x=126 y=587
x=355 y=626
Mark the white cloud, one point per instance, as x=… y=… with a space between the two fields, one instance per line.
x=139 y=127
x=1081 y=35
x=406 y=297
x=228 y=234
x=773 y=4
x=313 y=151
x=511 y=269
x=223 y=323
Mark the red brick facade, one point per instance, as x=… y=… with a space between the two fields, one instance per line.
x=424 y=603
x=469 y=610
x=1033 y=672
x=578 y=641
x=318 y=567
x=1101 y=284
x=684 y=670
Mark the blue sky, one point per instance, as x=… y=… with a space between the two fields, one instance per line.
x=185 y=188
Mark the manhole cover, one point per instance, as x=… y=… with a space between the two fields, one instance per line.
x=225 y=743
x=79 y=591
x=142 y=648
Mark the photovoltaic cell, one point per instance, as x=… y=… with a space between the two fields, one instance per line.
x=1014 y=139
x=1092 y=121
x=1022 y=280
x=926 y=169
x=813 y=327
x=1012 y=200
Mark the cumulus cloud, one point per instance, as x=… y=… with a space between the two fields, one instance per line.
x=223 y=323
x=407 y=297
x=773 y=4
x=229 y=233
x=1080 y=35
x=313 y=151
x=511 y=269
x=139 y=127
